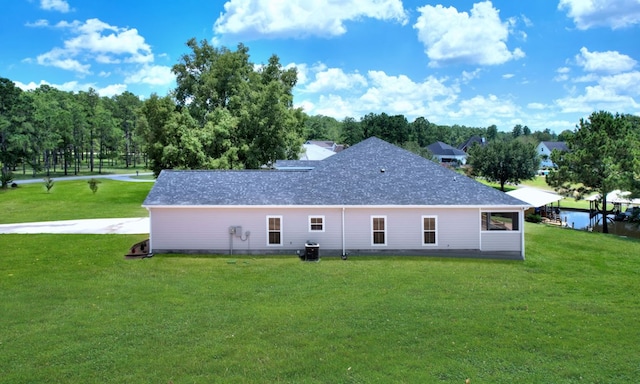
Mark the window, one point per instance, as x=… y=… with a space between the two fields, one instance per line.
x=274 y=230
x=378 y=230
x=429 y=230
x=500 y=221
x=316 y=223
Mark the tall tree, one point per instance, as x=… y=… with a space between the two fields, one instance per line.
x=504 y=161
x=602 y=157
x=259 y=101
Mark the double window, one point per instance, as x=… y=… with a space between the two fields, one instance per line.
x=500 y=221
x=429 y=230
x=379 y=230
x=316 y=223
x=274 y=230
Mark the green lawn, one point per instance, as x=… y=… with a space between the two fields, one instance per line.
x=73 y=200
x=73 y=310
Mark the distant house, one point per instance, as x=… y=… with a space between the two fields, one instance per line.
x=381 y=200
x=470 y=142
x=327 y=144
x=446 y=153
x=544 y=150
x=315 y=152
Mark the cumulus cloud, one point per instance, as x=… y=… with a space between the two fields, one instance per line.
x=97 y=41
x=609 y=61
x=339 y=94
x=602 y=13
x=613 y=93
x=299 y=18
x=75 y=86
x=478 y=38
x=55 y=5
x=152 y=75
x=335 y=79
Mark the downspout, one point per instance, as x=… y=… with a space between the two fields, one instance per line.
x=150 y=232
x=344 y=251
x=522 y=232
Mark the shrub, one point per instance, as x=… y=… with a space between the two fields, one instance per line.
x=533 y=218
x=93 y=185
x=5 y=179
x=48 y=183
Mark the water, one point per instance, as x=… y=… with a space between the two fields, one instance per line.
x=580 y=220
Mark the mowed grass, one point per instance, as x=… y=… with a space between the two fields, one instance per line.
x=73 y=200
x=73 y=310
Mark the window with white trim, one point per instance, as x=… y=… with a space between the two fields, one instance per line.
x=274 y=230
x=316 y=223
x=429 y=230
x=378 y=230
x=500 y=221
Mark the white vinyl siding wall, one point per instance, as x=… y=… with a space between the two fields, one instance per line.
x=207 y=229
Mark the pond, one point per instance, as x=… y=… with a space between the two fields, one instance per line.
x=580 y=220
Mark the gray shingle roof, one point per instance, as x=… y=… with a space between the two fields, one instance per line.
x=442 y=149
x=372 y=172
x=559 y=145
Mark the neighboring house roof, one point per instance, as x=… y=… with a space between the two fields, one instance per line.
x=551 y=145
x=331 y=145
x=288 y=165
x=535 y=197
x=441 y=149
x=372 y=172
x=472 y=140
x=315 y=152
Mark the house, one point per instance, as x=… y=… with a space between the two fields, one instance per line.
x=544 y=150
x=381 y=199
x=327 y=144
x=446 y=153
x=315 y=152
x=464 y=147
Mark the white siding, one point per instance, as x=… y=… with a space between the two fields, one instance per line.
x=207 y=229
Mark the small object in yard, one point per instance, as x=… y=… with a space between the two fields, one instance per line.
x=344 y=257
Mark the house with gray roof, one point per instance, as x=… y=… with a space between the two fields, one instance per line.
x=381 y=200
x=446 y=153
x=545 y=148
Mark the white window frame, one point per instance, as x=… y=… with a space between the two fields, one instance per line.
x=269 y=244
x=435 y=230
x=321 y=217
x=386 y=224
x=517 y=222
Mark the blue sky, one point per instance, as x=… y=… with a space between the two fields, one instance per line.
x=544 y=63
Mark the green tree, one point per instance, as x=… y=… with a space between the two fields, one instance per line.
x=504 y=161
x=10 y=129
x=602 y=157
x=263 y=125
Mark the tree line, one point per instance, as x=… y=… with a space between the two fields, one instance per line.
x=47 y=130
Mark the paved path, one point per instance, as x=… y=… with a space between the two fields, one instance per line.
x=121 y=177
x=129 y=226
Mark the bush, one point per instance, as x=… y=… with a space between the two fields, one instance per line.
x=533 y=218
x=5 y=179
x=48 y=183
x=93 y=185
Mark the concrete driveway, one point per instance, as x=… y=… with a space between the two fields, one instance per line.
x=128 y=226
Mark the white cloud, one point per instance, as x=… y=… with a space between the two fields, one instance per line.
x=468 y=76
x=616 y=93
x=489 y=108
x=562 y=74
x=38 y=23
x=298 y=18
x=335 y=79
x=602 y=13
x=74 y=86
x=153 y=75
x=55 y=5
x=508 y=75
x=536 y=106
x=376 y=91
x=609 y=61
x=97 y=41
x=477 y=38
